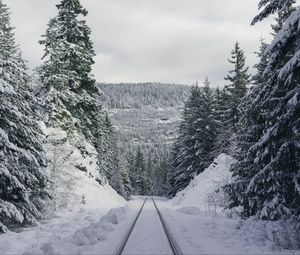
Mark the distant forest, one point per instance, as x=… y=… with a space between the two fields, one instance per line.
x=142 y=95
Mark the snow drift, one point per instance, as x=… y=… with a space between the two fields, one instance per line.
x=74 y=173
x=205 y=190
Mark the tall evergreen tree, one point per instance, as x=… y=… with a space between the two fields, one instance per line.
x=223 y=140
x=69 y=89
x=138 y=175
x=125 y=180
x=69 y=93
x=251 y=128
x=193 y=149
x=271 y=188
x=238 y=79
x=22 y=159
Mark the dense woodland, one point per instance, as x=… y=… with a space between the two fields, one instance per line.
x=146 y=120
x=254 y=118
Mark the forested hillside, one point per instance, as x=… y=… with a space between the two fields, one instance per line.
x=146 y=117
x=53 y=131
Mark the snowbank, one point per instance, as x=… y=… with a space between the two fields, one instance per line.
x=196 y=207
x=72 y=233
x=74 y=173
x=205 y=191
x=81 y=196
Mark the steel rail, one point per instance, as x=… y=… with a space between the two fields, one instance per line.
x=172 y=242
x=125 y=240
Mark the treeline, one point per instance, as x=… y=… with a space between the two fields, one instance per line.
x=49 y=117
x=142 y=95
x=256 y=120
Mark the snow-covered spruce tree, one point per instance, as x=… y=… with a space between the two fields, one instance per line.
x=271 y=7
x=69 y=93
x=22 y=160
x=138 y=177
x=223 y=142
x=111 y=163
x=69 y=89
x=229 y=100
x=108 y=150
x=193 y=148
x=125 y=180
x=272 y=187
x=238 y=79
x=250 y=129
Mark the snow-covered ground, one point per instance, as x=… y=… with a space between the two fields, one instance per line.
x=197 y=226
x=102 y=231
x=202 y=226
x=82 y=231
x=205 y=190
x=203 y=233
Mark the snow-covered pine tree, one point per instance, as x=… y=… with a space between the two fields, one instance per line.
x=197 y=133
x=271 y=7
x=69 y=94
x=111 y=163
x=22 y=159
x=125 y=180
x=222 y=144
x=238 y=79
x=108 y=150
x=250 y=129
x=66 y=72
x=138 y=174
x=282 y=16
x=273 y=187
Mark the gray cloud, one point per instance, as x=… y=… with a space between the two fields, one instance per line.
x=176 y=41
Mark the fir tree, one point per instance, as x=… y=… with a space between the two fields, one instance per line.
x=223 y=140
x=271 y=186
x=271 y=7
x=138 y=176
x=69 y=94
x=125 y=180
x=193 y=149
x=251 y=127
x=238 y=79
x=22 y=159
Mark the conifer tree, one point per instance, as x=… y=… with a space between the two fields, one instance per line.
x=251 y=127
x=22 y=159
x=138 y=181
x=271 y=7
x=125 y=180
x=223 y=139
x=69 y=89
x=194 y=146
x=69 y=93
x=238 y=79
x=271 y=187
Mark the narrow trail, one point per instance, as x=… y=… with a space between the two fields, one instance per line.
x=148 y=235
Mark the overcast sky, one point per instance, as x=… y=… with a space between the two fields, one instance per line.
x=174 y=41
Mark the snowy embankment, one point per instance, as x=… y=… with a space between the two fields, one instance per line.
x=205 y=190
x=202 y=226
x=80 y=198
x=82 y=231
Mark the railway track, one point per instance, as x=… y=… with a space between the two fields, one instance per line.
x=172 y=242
x=125 y=240
x=174 y=247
